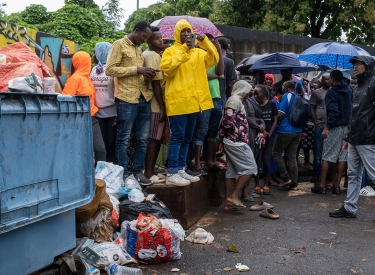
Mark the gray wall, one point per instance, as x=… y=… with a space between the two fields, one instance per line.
x=246 y=42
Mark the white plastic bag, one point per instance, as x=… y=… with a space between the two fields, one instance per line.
x=112 y=175
x=136 y=196
x=200 y=236
x=30 y=84
x=131 y=183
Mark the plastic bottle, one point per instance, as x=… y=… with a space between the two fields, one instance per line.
x=115 y=269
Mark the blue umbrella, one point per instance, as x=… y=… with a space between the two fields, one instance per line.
x=333 y=54
x=275 y=62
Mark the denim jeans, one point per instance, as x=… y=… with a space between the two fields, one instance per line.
x=318 y=150
x=182 y=128
x=207 y=125
x=366 y=181
x=128 y=115
x=359 y=156
x=287 y=142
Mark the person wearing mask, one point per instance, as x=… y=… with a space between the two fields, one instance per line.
x=186 y=94
x=105 y=99
x=126 y=62
x=360 y=142
x=79 y=83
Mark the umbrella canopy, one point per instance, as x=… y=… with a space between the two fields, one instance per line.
x=200 y=25
x=245 y=64
x=333 y=54
x=275 y=62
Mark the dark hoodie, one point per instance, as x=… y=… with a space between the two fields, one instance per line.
x=362 y=123
x=338 y=105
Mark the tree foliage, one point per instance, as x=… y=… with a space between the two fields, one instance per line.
x=327 y=19
x=82 y=3
x=200 y=8
x=113 y=13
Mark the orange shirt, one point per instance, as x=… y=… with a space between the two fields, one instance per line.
x=79 y=83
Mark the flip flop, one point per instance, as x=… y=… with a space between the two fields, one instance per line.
x=248 y=199
x=234 y=206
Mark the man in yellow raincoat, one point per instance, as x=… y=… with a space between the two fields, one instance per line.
x=186 y=94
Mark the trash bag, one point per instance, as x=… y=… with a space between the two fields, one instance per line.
x=149 y=242
x=101 y=200
x=30 y=84
x=99 y=227
x=129 y=210
x=136 y=196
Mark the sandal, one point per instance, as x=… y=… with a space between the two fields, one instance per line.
x=285 y=186
x=266 y=190
x=257 y=190
x=234 y=206
x=272 y=183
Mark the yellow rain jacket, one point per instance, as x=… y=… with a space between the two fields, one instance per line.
x=186 y=89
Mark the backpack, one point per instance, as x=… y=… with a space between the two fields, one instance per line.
x=299 y=113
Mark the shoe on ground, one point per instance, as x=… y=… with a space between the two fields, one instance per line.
x=269 y=213
x=193 y=173
x=188 y=177
x=176 y=180
x=336 y=190
x=157 y=179
x=141 y=178
x=342 y=213
x=369 y=188
x=261 y=206
x=366 y=192
x=318 y=190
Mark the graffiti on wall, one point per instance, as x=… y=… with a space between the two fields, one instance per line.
x=55 y=52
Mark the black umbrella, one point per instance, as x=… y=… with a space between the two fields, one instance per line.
x=245 y=64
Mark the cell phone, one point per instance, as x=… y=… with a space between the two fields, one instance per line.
x=192 y=37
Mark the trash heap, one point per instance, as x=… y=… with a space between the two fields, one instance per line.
x=122 y=226
x=23 y=71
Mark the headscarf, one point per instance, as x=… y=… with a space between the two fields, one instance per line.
x=272 y=78
x=240 y=90
x=101 y=51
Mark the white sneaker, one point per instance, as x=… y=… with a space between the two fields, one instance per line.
x=186 y=176
x=176 y=180
x=366 y=192
x=369 y=188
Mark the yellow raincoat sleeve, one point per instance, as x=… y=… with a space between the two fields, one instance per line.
x=212 y=56
x=114 y=66
x=172 y=59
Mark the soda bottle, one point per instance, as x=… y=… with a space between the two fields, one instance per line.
x=115 y=269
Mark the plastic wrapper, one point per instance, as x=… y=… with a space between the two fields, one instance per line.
x=101 y=255
x=49 y=85
x=112 y=175
x=200 y=236
x=115 y=211
x=149 y=242
x=136 y=195
x=131 y=183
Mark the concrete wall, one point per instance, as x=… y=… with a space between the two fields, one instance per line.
x=246 y=42
x=55 y=52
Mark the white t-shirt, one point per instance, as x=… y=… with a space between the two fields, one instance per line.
x=104 y=96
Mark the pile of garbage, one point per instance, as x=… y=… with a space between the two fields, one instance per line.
x=122 y=226
x=23 y=71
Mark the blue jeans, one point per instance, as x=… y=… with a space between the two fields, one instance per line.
x=366 y=181
x=182 y=129
x=207 y=125
x=128 y=115
x=318 y=151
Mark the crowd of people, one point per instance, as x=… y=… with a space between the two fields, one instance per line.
x=188 y=94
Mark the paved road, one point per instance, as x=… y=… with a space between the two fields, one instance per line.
x=333 y=246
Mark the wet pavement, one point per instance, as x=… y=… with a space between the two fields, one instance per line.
x=305 y=240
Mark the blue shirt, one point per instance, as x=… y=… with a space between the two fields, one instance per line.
x=284 y=125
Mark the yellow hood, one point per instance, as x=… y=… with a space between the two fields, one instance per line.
x=180 y=25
